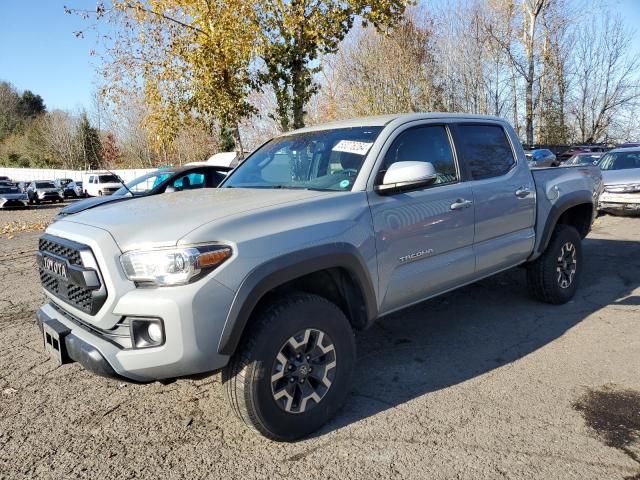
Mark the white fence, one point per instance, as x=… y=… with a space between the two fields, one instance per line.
x=28 y=174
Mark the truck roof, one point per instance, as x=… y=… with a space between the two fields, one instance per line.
x=383 y=120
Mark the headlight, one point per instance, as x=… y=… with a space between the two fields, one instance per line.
x=622 y=188
x=173 y=266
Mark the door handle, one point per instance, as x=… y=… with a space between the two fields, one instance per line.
x=460 y=204
x=522 y=192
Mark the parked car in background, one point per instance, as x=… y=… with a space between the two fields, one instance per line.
x=567 y=154
x=540 y=157
x=621 y=180
x=62 y=183
x=102 y=183
x=12 y=196
x=23 y=186
x=629 y=145
x=4 y=178
x=74 y=190
x=40 y=191
x=160 y=181
x=591 y=158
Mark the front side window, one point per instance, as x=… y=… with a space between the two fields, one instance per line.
x=620 y=161
x=189 y=181
x=486 y=150
x=423 y=144
x=319 y=160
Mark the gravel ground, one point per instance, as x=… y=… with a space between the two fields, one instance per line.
x=481 y=383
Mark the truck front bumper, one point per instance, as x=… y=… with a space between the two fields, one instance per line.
x=73 y=349
x=193 y=317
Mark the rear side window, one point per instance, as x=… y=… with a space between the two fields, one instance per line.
x=486 y=150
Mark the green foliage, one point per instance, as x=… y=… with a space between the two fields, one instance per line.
x=295 y=33
x=31 y=105
x=20 y=136
x=91 y=146
x=226 y=142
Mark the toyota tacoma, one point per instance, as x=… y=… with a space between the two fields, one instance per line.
x=317 y=234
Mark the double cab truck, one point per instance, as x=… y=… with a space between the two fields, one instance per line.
x=317 y=234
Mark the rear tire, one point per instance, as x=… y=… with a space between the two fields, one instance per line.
x=554 y=276
x=292 y=370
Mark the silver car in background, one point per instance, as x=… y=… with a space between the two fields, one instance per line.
x=12 y=196
x=40 y=191
x=621 y=180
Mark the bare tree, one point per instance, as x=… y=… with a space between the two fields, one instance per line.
x=606 y=80
x=389 y=73
x=58 y=131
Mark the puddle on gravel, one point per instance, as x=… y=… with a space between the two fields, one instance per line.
x=615 y=415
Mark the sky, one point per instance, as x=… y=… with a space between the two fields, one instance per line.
x=39 y=52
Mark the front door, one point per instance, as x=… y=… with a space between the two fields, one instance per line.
x=424 y=237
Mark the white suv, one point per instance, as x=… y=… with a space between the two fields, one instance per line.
x=99 y=184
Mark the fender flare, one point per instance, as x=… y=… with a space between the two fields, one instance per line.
x=572 y=199
x=280 y=270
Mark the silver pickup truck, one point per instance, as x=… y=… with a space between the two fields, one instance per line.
x=316 y=235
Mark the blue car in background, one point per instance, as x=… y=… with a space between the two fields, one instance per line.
x=541 y=157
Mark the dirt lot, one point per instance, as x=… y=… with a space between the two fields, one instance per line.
x=480 y=383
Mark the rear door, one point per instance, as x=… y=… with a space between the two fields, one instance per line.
x=424 y=237
x=503 y=195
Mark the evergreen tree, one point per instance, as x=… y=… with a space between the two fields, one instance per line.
x=91 y=147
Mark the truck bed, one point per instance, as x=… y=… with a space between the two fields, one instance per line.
x=556 y=186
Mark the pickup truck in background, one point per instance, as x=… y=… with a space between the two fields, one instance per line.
x=315 y=235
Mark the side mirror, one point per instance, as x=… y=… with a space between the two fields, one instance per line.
x=402 y=176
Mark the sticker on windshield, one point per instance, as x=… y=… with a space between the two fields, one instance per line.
x=344 y=183
x=352 y=146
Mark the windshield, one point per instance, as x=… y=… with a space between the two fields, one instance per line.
x=9 y=189
x=620 y=161
x=45 y=185
x=583 y=160
x=144 y=184
x=321 y=160
x=108 y=179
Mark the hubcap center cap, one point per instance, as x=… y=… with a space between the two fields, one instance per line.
x=304 y=370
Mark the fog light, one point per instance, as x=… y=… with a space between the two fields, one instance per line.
x=155 y=332
x=146 y=332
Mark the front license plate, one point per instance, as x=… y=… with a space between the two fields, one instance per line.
x=55 y=266
x=54 y=333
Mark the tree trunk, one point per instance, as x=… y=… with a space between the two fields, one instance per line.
x=298 y=92
x=238 y=139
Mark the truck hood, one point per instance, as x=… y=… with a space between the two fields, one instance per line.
x=162 y=220
x=621 y=177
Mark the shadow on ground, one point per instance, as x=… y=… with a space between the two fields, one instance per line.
x=471 y=331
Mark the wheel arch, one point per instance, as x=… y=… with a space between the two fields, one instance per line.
x=576 y=209
x=336 y=272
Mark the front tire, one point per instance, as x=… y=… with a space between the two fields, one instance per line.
x=292 y=370
x=554 y=276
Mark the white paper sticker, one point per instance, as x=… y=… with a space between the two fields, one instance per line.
x=352 y=146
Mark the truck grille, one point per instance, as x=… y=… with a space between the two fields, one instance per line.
x=81 y=285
